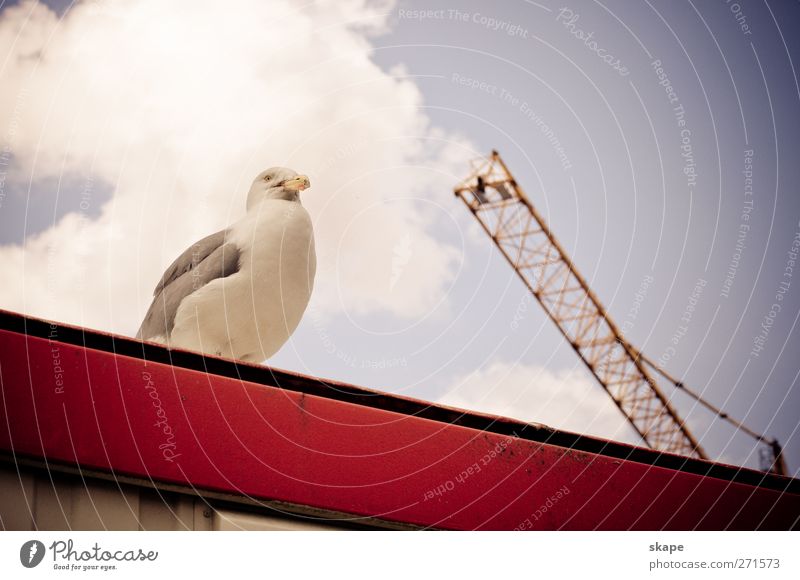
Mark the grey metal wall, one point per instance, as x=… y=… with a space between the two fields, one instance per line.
x=38 y=499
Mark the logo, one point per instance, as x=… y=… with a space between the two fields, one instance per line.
x=31 y=553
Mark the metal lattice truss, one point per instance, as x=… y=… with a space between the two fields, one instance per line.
x=501 y=207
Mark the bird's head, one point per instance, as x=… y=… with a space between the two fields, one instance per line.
x=277 y=183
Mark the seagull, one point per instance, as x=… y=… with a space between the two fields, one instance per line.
x=241 y=292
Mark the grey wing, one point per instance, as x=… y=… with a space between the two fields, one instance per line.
x=188 y=273
x=190 y=258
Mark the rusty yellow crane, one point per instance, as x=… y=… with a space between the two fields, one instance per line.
x=524 y=239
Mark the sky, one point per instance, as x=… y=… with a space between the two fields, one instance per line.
x=657 y=139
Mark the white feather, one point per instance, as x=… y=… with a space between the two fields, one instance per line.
x=249 y=315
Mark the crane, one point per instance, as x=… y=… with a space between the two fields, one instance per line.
x=507 y=215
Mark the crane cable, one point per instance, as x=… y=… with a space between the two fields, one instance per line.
x=713 y=408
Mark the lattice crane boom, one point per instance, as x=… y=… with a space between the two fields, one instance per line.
x=525 y=240
x=507 y=215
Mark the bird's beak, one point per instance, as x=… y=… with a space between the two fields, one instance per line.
x=298 y=183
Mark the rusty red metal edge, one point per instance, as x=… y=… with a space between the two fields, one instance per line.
x=371 y=398
x=773 y=501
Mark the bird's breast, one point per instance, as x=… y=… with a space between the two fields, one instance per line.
x=277 y=252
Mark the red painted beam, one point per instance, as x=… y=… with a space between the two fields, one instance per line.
x=68 y=403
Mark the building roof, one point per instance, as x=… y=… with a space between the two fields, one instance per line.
x=112 y=406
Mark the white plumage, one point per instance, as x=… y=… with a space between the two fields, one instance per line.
x=240 y=293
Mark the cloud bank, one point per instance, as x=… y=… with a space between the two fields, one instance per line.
x=568 y=400
x=177 y=106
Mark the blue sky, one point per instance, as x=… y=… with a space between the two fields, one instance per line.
x=623 y=207
x=627 y=217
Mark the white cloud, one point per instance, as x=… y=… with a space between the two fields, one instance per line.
x=569 y=400
x=178 y=106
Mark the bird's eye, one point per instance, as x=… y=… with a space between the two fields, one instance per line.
x=267 y=178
